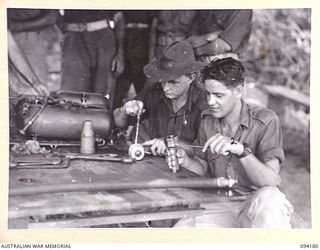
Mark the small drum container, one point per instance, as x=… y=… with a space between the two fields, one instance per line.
x=136 y=152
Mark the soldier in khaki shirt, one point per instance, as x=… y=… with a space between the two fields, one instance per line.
x=171 y=103
x=243 y=142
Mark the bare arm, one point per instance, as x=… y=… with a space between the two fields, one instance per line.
x=217 y=46
x=200 y=40
x=119 y=30
x=120 y=118
x=153 y=38
x=193 y=164
x=209 y=44
x=158 y=146
x=261 y=174
x=118 y=61
x=121 y=115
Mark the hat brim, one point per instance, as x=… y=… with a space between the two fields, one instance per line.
x=155 y=73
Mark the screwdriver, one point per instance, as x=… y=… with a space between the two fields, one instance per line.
x=198 y=146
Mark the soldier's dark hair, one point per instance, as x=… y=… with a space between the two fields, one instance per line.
x=228 y=70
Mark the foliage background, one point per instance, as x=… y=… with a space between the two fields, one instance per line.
x=279 y=48
x=279 y=54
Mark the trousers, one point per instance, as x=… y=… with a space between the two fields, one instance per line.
x=86 y=62
x=136 y=56
x=35 y=49
x=267 y=208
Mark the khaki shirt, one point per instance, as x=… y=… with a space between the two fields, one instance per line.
x=259 y=127
x=160 y=120
x=176 y=21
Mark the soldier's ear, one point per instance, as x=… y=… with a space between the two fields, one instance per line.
x=238 y=91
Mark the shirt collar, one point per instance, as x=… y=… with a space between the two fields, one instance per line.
x=244 y=114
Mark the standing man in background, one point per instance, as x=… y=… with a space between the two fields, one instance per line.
x=168 y=27
x=30 y=29
x=92 y=50
x=242 y=142
x=220 y=33
x=136 y=52
x=172 y=101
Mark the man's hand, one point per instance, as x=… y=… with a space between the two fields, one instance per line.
x=117 y=65
x=133 y=108
x=215 y=47
x=157 y=146
x=200 y=40
x=181 y=155
x=223 y=145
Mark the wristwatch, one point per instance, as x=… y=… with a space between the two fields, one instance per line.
x=247 y=151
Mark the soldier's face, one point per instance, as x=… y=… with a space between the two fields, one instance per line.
x=177 y=87
x=220 y=98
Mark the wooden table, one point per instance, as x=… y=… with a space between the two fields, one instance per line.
x=96 y=208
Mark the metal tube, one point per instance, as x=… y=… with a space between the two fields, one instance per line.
x=137 y=129
x=197 y=146
x=63 y=164
x=99 y=157
x=99 y=186
x=189 y=146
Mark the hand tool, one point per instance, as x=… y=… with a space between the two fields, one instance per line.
x=198 y=146
x=136 y=151
x=99 y=157
x=38 y=162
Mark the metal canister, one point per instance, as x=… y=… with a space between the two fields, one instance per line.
x=87 y=138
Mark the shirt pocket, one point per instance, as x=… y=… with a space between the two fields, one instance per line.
x=211 y=159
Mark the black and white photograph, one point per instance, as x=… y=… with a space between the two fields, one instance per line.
x=158 y=118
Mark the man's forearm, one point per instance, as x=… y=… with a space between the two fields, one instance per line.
x=215 y=47
x=152 y=39
x=120 y=118
x=119 y=31
x=193 y=164
x=201 y=40
x=261 y=174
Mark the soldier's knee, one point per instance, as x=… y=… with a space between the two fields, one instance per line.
x=268 y=208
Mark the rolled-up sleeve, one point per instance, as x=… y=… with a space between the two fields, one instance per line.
x=270 y=141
